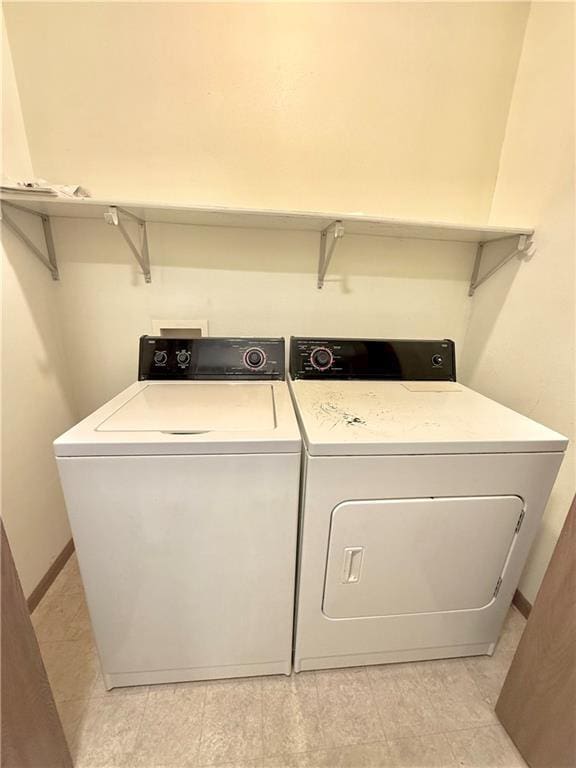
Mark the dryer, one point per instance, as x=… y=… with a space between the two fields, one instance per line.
x=420 y=501
x=182 y=494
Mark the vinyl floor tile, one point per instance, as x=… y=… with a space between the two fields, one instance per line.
x=487 y=747
x=107 y=733
x=403 y=703
x=489 y=673
x=432 y=751
x=72 y=669
x=512 y=630
x=232 y=724
x=291 y=714
x=457 y=701
x=348 y=711
x=52 y=619
x=170 y=730
x=359 y=756
x=80 y=626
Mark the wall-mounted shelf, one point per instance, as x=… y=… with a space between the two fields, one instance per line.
x=331 y=227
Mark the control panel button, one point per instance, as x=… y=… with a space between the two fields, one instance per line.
x=254 y=358
x=183 y=358
x=160 y=358
x=437 y=360
x=321 y=358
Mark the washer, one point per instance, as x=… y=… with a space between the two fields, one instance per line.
x=420 y=500
x=182 y=494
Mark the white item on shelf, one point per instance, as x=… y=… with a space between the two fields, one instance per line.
x=32 y=187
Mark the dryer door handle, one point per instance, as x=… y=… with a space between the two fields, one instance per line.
x=353 y=557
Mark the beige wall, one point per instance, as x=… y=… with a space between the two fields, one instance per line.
x=36 y=402
x=245 y=282
x=521 y=343
x=390 y=108
x=16 y=160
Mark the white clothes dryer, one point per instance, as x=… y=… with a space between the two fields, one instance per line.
x=420 y=501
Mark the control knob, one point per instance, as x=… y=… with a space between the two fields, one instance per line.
x=321 y=358
x=183 y=358
x=254 y=358
x=437 y=360
x=160 y=358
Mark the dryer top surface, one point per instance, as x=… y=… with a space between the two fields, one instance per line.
x=410 y=417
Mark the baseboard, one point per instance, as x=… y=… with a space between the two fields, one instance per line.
x=523 y=605
x=50 y=576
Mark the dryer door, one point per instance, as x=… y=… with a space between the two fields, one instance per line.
x=417 y=555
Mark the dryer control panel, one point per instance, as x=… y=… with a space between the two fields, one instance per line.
x=211 y=358
x=377 y=359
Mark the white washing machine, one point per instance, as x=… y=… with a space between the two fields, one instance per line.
x=182 y=494
x=420 y=500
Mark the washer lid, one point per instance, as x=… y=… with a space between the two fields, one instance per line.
x=187 y=418
x=198 y=407
x=340 y=418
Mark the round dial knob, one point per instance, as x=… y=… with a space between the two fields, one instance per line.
x=183 y=357
x=321 y=358
x=254 y=358
x=160 y=358
x=437 y=360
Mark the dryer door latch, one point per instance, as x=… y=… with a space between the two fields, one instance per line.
x=352 y=564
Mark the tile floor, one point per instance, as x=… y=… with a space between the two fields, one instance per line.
x=418 y=715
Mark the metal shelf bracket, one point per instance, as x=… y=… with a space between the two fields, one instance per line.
x=328 y=239
x=524 y=245
x=48 y=261
x=141 y=253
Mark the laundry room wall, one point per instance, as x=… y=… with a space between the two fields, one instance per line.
x=520 y=344
x=395 y=109
x=245 y=282
x=36 y=397
x=390 y=108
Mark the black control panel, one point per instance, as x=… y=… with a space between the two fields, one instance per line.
x=377 y=359
x=210 y=358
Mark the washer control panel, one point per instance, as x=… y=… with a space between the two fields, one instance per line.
x=211 y=358
x=384 y=359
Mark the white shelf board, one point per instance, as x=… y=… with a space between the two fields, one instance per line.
x=354 y=223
